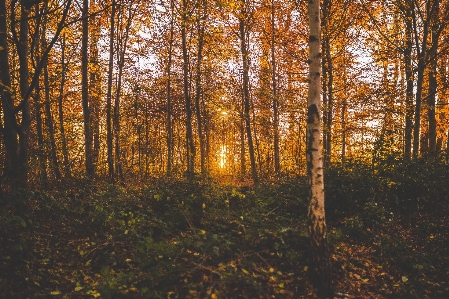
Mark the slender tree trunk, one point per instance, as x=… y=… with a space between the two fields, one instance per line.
x=121 y=51
x=10 y=129
x=10 y=126
x=317 y=223
x=90 y=171
x=433 y=84
x=327 y=86
x=23 y=49
x=49 y=118
x=169 y=104
x=43 y=179
x=343 y=131
x=246 y=104
x=109 y=133
x=188 y=105
x=94 y=84
x=40 y=139
x=199 y=92
x=409 y=81
x=421 y=53
x=65 y=152
x=277 y=161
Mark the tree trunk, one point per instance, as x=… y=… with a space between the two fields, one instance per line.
x=49 y=118
x=169 y=104
x=65 y=152
x=188 y=105
x=95 y=84
x=90 y=171
x=109 y=133
x=327 y=87
x=246 y=104
x=43 y=178
x=121 y=51
x=40 y=139
x=277 y=161
x=409 y=81
x=421 y=53
x=431 y=99
x=199 y=91
x=320 y=266
x=23 y=49
x=242 y=147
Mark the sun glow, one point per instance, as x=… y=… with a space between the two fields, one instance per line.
x=223 y=156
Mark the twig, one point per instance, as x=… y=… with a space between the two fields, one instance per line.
x=266 y=262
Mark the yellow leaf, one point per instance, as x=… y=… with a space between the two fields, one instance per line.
x=55 y=293
x=213 y=296
x=245 y=271
x=404 y=279
x=77 y=289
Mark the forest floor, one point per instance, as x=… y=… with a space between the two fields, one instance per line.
x=175 y=239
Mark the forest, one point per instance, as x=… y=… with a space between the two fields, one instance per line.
x=224 y=149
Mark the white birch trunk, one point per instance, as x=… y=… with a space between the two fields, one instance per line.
x=320 y=267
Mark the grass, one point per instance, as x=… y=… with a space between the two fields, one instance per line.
x=179 y=239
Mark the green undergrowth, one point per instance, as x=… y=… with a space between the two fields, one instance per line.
x=174 y=238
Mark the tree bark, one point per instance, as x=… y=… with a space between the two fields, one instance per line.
x=188 y=105
x=421 y=50
x=11 y=128
x=409 y=81
x=121 y=51
x=199 y=89
x=49 y=118
x=327 y=86
x=65 y=152
x=90 y=171
x=169 y=104
x=277 y=161
x=40 y=139
x=94 y=84
x=320 y=266
x=23 y=49
x=109 y=133
x=433 y=84
x=246 y=104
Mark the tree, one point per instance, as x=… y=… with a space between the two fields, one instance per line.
x=316 y=216
x=190 y=145
x=110 y=148
x=90 y=171
x=16 y=129
x=243 y=27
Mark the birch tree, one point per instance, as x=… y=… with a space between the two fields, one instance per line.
x=317 y=224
